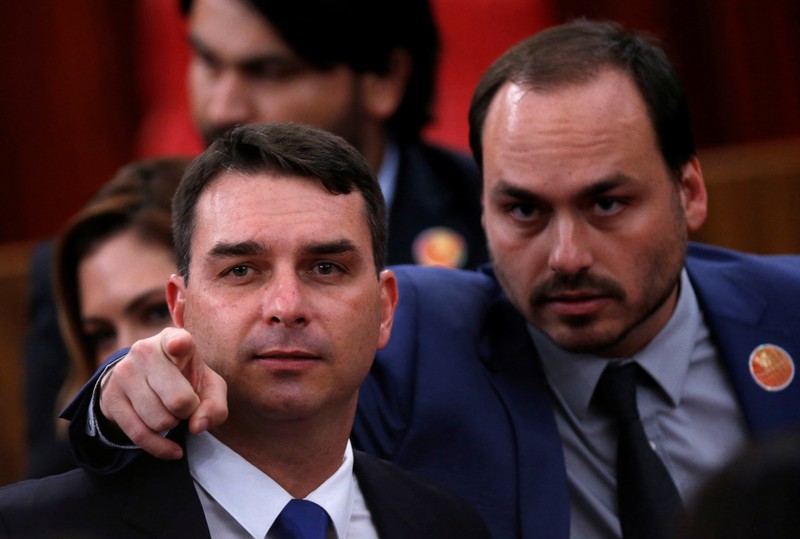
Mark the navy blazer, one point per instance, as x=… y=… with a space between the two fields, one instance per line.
x=153 y=498
x=459 y=395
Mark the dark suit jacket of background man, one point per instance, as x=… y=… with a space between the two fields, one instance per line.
x=155 y=498
x=435 y=188
x=459 y=396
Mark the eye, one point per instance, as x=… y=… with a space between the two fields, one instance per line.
x=239 y=271
x=206 y=60
x=608 y=206
x=157 y=314
x=100 y=340
x=238 y=274
x=269 y=71
x=523 y=211
x=327 y=268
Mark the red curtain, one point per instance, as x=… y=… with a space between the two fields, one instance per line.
x=89 y=85
x=474 y=33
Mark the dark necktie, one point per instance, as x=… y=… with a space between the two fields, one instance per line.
x=649 y=503
x=301 y=519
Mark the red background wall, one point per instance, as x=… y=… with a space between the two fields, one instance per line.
x=87 y=85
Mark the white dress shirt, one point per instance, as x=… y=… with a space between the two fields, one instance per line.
x=240 y=501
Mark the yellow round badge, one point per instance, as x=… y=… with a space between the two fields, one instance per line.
x=440 y=246
x=772 y=367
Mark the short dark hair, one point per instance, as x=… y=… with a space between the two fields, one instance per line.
x=287 y=150
x=363 y=34
x=574 y=53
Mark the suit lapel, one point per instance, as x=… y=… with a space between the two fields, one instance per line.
x=392 y=515
x=740 y=321
x=163 y=501
x=519 y=381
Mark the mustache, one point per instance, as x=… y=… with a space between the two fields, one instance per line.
x=584 y=282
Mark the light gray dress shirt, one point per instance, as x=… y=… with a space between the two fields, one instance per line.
x=387 y=174
x=690 y=415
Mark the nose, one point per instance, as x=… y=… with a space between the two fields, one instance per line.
x=284 y=301
x=570 y=251
x=229 y=101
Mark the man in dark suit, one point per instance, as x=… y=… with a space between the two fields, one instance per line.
x=279 y=234
x=360 y=69
x=491 y=384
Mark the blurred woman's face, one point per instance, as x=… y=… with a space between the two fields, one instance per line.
x=122 y=285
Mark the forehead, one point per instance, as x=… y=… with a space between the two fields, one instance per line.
x=594 y=129
x=278 y=209
x=233 y=28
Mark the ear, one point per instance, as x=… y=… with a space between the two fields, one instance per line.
x=383 y=93
x=694 y=197
x=176 y=299
x=389 y=296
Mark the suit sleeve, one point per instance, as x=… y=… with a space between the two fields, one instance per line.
x=91 y=453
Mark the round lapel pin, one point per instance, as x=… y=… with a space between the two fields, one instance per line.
x=772 y=367
x=440 y=246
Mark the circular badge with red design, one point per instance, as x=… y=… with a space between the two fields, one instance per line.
x=440 y=246
x=772 y=367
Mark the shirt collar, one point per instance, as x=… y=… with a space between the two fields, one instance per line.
x=666 y=358
x=387 y=174
x=251 y=497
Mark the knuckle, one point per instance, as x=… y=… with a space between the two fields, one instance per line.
x=164 y=423
x=123 y=368
x=138 y=349
x=181 y=405
x=138 y=433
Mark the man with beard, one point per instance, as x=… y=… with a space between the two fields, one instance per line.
x=360 y=69
x=588 y=382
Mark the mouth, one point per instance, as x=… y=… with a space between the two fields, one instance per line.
x=286 y=355
x=576 y=303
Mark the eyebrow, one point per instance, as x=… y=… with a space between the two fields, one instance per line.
x=242 y=248
x=595 y=189
x=143 y=298
x=136 y=304
x=256 y=59
x=254 y=248
x=330 y=248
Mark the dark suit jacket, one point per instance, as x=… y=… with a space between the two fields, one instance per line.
x=459 y=396
x=155 y=498
x=435 y=188
x=46 y=364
